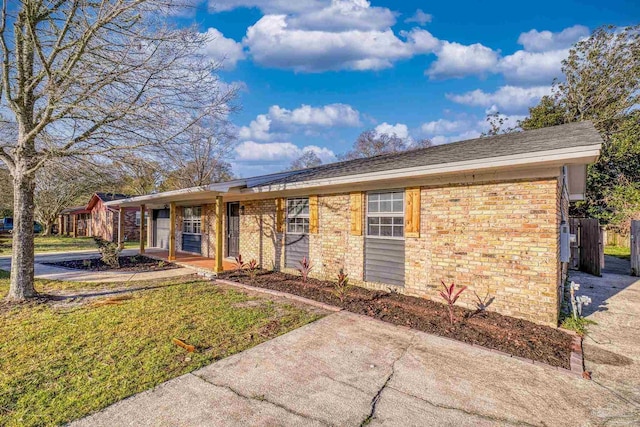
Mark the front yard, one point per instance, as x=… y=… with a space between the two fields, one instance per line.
x=56 y=244
x=75 y=354
x=618 y=251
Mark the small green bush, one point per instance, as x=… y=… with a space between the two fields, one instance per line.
x=578 y=325
x=109 y=251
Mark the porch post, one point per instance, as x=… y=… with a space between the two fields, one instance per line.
x=142 y=235
x=219 y=210
x=148 y=235
x=172 y=231
x=75 y=225
x=60 y=229
x=121 y=228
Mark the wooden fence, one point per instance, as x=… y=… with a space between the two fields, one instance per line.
x=612 y=238
x=635 y=248
x=587 y=253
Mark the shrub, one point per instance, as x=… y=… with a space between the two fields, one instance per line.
x=342 y=286
x=579 y=325
x=305 y=268
x=239 y=263
x=161 y=264
x=252 y=268
x=109 y=251
x=86 y=263
x=451 y=296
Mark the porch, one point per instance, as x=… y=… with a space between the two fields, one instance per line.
x=198 y=262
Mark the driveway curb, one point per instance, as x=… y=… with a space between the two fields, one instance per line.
x=575 y=360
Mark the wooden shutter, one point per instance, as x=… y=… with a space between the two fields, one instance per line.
x=280 y=215
x=412 y=212
x=356 y=213
x=313 y=214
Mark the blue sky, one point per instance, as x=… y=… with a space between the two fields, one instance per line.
x=316 y=73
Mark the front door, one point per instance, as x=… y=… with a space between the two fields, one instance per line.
x=233 y=229
x=161 y=226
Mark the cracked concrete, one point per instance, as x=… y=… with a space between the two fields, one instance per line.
x=349 y=370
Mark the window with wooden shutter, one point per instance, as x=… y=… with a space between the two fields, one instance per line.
x=412 y=214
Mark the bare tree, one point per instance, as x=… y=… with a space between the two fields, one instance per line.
x=370 y=143
x=308 y=159
x=93 y=79
x=6 y=193
x=60 y=184
x=200 y=160
x=138 y=176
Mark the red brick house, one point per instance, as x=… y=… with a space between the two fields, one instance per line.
x=98 y=219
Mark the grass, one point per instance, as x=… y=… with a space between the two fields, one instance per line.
x=63 y=360
x=618 y=251
x=56 y=244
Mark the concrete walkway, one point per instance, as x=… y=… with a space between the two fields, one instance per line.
x=612 y=348
x=49 y=272
x=351 y=370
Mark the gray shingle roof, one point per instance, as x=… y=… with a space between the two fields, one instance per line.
x=551 y=138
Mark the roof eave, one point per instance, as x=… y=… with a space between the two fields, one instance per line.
x=574 y=155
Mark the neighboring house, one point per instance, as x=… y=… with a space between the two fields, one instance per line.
x=485 y=213
x=75 y=221
x=98 y=219
x=104 y=219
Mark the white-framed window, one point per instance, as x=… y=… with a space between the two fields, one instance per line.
x=192 y=220
x=385 y=214
x=298 y=215
x=146 y=215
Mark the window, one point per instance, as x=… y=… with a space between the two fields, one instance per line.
x=146 y=216
x=298 y=216
x=192 y=220
x=385 y=214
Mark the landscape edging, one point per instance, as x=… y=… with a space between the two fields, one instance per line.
x=575 y=359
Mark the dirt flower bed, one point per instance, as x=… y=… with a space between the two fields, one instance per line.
x=489 y=329
x=135 y=263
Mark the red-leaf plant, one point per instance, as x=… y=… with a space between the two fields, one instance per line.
x=305 y=268
x=451 y=296
x=252 y=268
x=239 y=263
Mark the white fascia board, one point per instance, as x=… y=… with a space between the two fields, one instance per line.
x=585 y=154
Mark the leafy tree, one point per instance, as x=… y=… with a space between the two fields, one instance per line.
x=498 y=125
x=308 y=159
x=602 y=84
x=93 y=80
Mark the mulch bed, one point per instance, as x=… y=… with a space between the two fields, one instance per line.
x=488 y=329
x=135 y=263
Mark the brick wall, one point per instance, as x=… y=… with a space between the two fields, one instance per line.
x=499 y=238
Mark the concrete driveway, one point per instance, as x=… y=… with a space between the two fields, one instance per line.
x=351 y=370
x=49 y=272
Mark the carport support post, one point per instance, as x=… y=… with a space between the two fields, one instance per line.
x=172 y=231
x=60 y=223
x=121 y=228
x=75 y=225
x=219 y=206
x=142 y=236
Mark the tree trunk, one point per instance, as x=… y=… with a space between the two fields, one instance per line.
x=22 y=258
x=47 y=229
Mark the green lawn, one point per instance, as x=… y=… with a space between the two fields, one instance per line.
x=64 y=360
x=56 y=244
x=618 y=251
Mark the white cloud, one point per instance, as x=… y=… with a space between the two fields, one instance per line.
x=420 y=18
x=343 y=15
x=540 y=41
x=273 y=43
x=444 y=126
x=505 y=99
x=280 y=152
x=223 y=50
x=533 y=67
x=399 y=129
x=445 y=139
x=306 y=115
x=458 y=60
x=279 y=122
